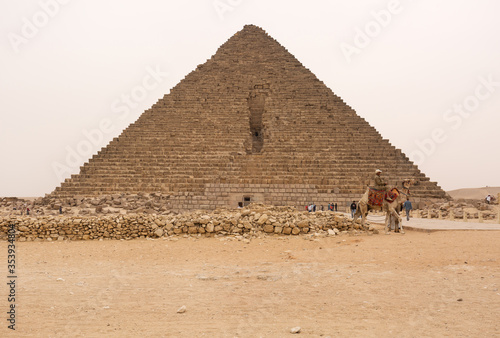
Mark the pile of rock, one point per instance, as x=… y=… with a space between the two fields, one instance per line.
x=456 y=209
x=249 y=222
x=149 y=203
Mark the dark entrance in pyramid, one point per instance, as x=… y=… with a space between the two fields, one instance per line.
x=251 y=124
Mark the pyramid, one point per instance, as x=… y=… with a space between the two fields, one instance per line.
x=252 y=124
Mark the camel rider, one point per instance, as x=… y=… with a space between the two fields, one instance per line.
x=380 y=184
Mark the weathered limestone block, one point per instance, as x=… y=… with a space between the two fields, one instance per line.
x=302 y=224
x=268 y=228
x=262 y=219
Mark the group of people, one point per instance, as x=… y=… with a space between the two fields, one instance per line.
x=312 y=207
x=379 y=184
x=25 y=209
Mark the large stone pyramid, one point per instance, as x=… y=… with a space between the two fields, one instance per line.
x=252 y=124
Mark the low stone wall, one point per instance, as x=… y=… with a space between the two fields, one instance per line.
x=247 y=222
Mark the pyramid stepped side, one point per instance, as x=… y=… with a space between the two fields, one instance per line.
x=251 y=122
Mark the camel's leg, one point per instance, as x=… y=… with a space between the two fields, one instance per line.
x=387 y=223
x=362 y=209
x=356 y=215
x=401 y=227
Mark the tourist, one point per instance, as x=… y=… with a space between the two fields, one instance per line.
x=407 y=206
x=60 y=210
x=336 y=207
x=488 y=199
x=27 y=211
x=353 y=208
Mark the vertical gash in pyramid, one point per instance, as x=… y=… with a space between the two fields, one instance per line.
x=252 y=124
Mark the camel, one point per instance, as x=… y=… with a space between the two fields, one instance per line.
x=388 y=207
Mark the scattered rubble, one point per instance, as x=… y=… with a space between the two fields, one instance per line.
x=473 y=209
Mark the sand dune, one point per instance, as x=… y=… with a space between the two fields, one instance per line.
x=474 y=193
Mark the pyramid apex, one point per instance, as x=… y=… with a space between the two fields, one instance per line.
x=253 y=28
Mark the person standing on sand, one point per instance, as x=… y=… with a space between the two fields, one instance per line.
x=407 y=206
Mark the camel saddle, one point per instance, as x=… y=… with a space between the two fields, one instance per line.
x=377 y=197
x=391 y=195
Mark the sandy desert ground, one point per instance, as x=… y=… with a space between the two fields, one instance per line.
x=474 y=193
x=441 y=284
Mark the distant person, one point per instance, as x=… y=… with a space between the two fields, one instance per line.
x=407 y=206
x=336 y=207
x=353 y=208
x=60 y=210
x=27 y=211
x=488 y=199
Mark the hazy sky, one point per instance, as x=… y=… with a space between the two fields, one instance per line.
x=75 y=73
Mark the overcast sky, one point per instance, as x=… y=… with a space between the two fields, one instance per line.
x=75 y=73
